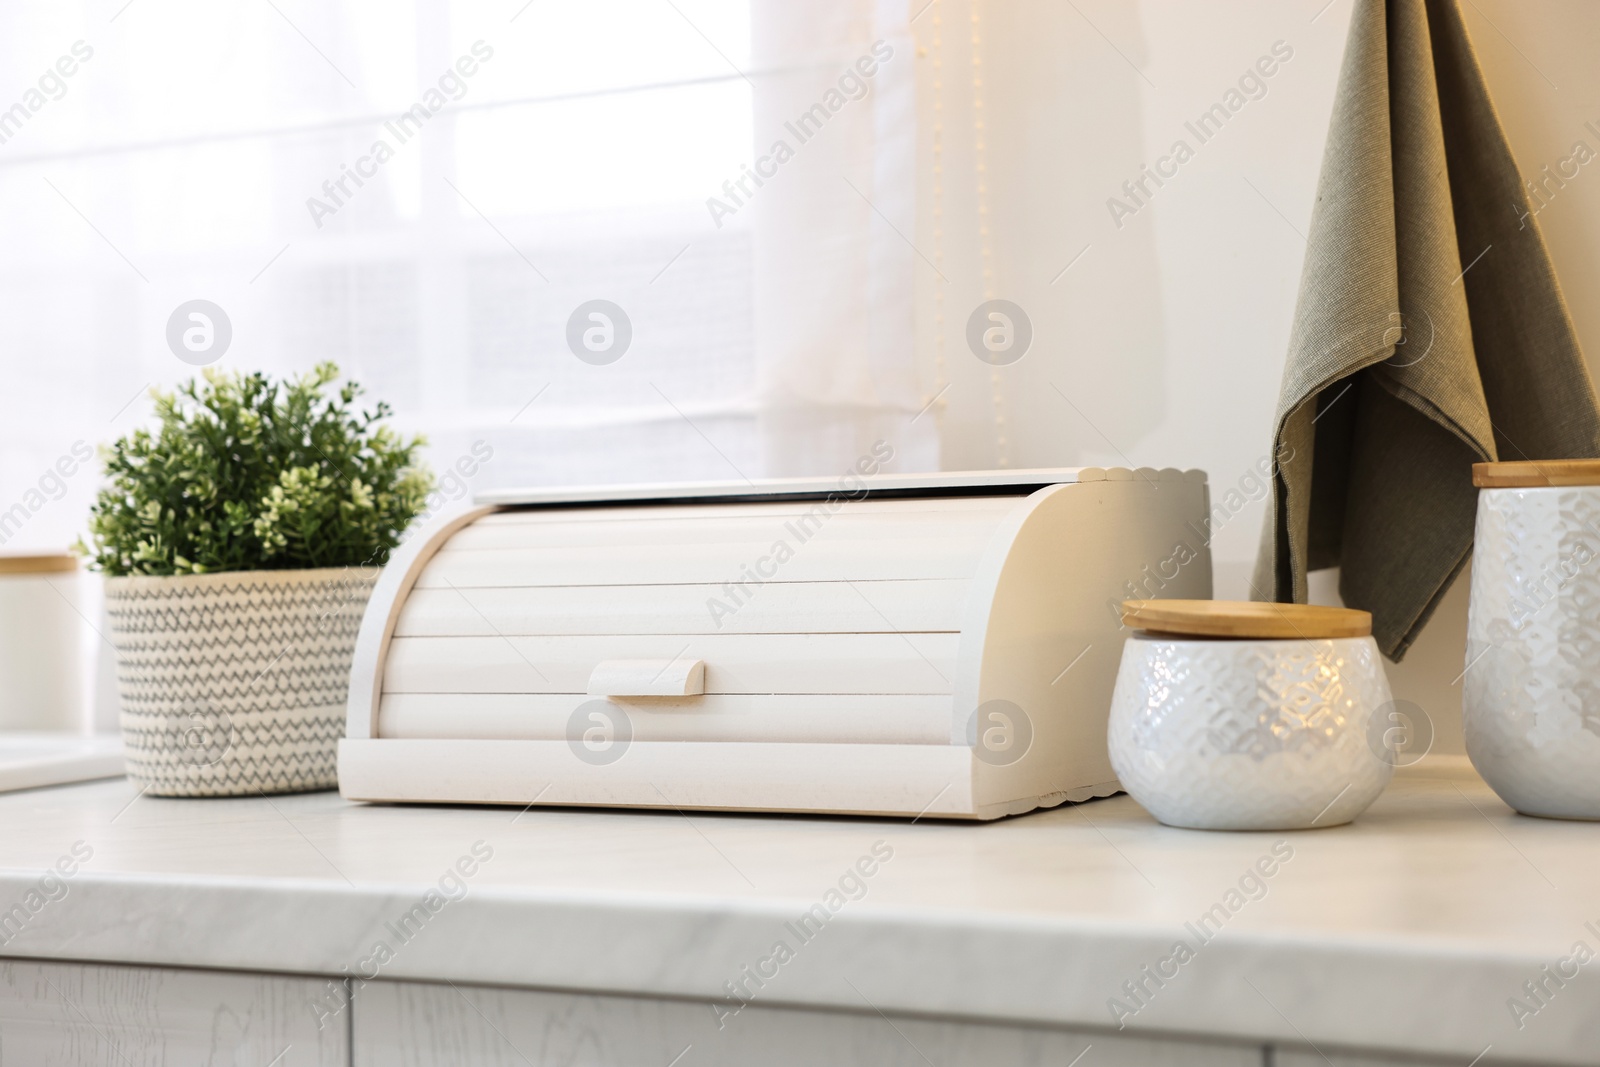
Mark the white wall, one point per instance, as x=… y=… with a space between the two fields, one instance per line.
x=1163 y=345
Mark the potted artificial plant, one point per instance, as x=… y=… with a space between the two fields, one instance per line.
x=240 y=541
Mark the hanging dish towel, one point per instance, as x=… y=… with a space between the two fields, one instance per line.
x=1430 y=331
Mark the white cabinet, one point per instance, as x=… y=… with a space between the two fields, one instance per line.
x=77 y=1015
x=94 y=1015
x=423 y=1025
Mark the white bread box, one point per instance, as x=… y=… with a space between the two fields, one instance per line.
x=939 y=645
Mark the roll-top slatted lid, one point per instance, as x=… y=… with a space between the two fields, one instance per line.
x=845 y=585
x=776 y=596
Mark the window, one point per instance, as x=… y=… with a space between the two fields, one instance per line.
x=535 y=157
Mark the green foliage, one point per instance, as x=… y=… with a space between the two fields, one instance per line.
x=250 y=474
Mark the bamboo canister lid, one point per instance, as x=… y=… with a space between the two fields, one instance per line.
x=38 y=563
x=1536 y=473
x=1244 y=619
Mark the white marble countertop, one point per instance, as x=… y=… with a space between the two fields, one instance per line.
x=1409 y=930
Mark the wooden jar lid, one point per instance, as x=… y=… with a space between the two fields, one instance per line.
x=1244 y=618
x=38 y=563
x=1536 y=473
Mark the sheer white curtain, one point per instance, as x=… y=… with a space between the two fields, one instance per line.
x=555 y=154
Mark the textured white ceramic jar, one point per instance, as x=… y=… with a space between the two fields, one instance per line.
x=1531 y=699
x=1247 y=734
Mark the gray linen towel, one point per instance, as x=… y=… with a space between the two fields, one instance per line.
x=1430 y=331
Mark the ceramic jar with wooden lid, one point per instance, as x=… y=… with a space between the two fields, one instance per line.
x=1250 y=716
x=39 y=643
x=1531 y=688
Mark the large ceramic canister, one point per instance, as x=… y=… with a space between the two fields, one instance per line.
x=1531 y=689
x=1249 y=716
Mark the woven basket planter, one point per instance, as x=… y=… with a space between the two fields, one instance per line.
x=234 y=684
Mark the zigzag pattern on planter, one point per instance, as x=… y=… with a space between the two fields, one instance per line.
x=235 y=683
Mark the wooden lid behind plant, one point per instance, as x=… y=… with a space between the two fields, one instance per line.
x=37 y=563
